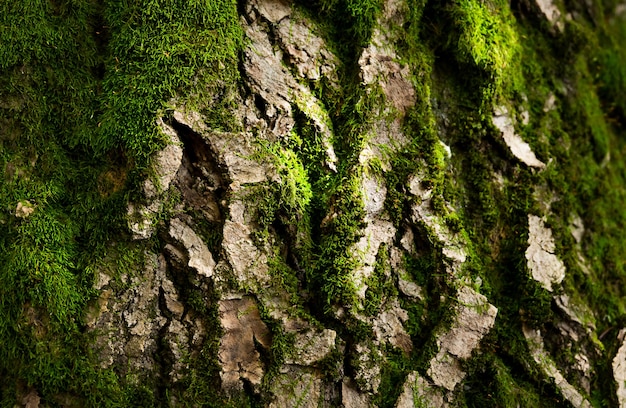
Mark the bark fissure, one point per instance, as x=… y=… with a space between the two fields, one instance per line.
x=280 y=203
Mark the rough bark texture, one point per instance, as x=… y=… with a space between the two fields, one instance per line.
x=390 y=203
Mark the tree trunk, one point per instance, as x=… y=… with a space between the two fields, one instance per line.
x=385 y=203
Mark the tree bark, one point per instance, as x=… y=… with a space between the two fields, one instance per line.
x=390 y=203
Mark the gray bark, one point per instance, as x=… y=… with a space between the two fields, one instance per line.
x=380 y=224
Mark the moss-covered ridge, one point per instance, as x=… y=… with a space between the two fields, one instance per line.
x=82 y=83
x=485 y=56
x=81 y=88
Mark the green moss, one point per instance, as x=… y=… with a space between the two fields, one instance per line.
x=282 y=347
x=285 y=202
x=342 y=230
x=430 y=314
x=590 y=113
x=295 y=194
x=156 y=52
x=332 y=366
x=486 y=35
x=357 y=18
x=308 y=144
x=592 y=118
x=393 y=374
x=609 y=63
x=380 y=285
x=82 y=85
x=285 y=280
x=492 y=383
x=201 y=386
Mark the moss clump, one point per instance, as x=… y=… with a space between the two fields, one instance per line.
x=156 y=51
x=491 y=382
x=356 y=18
x=393 y=373
x=380 y=285
x=333 y=270
x=608 y=64
x=486 y=36
x=82 y=84
x=295 y=189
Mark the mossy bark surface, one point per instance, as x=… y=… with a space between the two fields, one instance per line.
x=285 y=203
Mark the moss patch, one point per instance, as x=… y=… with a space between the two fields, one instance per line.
x=82 y=85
